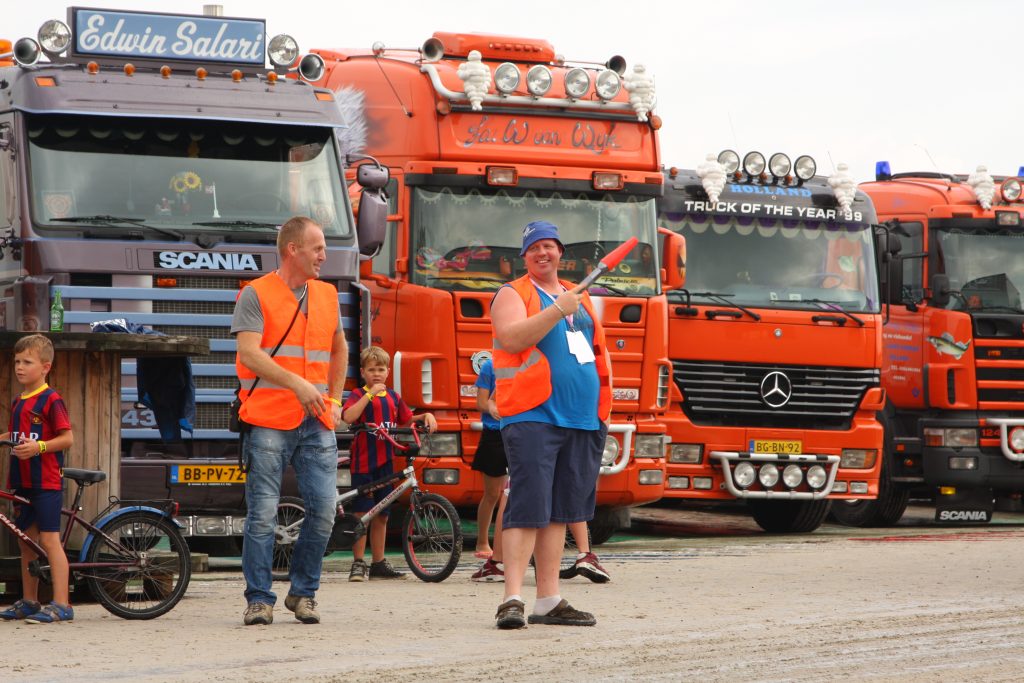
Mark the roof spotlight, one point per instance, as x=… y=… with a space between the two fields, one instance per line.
x=577 y=83
x=779 y=164
x=54 y=37
x=805 y=167
x=608 y=84
x=753 y=164
x=730 y=160
x=506 y=78
x=282 y=50
x=538 y=80
x=1010 y=189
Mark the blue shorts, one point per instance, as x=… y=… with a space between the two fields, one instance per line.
x=365 y=503
x=554 y=471
x=44 y=511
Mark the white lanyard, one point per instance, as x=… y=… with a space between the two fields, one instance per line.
x=568 y=318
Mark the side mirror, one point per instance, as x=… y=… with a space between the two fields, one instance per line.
x=373 y=177
x=372 y=221
x=939 y=286
x=673 y=260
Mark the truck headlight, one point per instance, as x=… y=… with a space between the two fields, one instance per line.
x=439 y=444
x=858 y=458
x=953 y=437
x=1017 y=439
x=344 y=479
x=688 y=453
x=651 y=476
x=650 y=446
x=792 y=476
x=440 y=476
x=816 y=477
x=744 y=474
x=768 y=475
x=611 y=450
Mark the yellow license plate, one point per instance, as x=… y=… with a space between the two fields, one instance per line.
x=776 y=446
x=206 y=474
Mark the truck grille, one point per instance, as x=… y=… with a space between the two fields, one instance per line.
x=730 y=394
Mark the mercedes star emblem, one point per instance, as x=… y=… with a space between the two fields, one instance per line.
x=776 y=389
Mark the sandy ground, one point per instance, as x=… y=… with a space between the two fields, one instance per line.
x=909 y=604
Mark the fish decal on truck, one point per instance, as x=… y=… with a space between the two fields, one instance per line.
x=947 y=345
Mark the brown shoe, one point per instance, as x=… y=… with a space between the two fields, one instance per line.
x=304 y=608
x=258 y=614
x=510 y=615
x=564 y=614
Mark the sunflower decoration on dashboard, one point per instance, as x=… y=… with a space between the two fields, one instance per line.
x=181 y=184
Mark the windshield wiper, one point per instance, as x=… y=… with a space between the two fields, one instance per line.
x=113 y=221
x=834 y=306
x=721 y=300
x=610 y=288
x=996 y=307
x=240 y=224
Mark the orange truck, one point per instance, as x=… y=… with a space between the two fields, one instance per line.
x=776 y=341
x=483 y=134
x=953 y=363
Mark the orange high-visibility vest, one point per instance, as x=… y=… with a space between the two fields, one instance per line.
x=306 y=351
x=523 y=380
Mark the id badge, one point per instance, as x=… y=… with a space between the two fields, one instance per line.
x=579 y=347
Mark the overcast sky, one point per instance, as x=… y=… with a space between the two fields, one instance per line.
x=926 y=85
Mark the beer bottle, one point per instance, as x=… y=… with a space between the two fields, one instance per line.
x=56 y=314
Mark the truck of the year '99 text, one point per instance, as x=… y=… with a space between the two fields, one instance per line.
x=147 y=163
x=776 y=340
x=483 y=134
x=953 y=365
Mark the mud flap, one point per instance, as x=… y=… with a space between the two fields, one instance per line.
x=970 y=506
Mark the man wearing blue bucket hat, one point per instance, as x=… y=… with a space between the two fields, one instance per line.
x=553 y=390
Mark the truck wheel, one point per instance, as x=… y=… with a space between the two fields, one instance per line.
x=789 y=516
x=885 y=510
x=605 y=523
x=892 y=499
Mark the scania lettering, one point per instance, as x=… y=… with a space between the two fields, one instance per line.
x=776 y=341
x=482 y=135
x=953 y=363
x=148 y=162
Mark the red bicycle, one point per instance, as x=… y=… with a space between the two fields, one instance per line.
x=134 y=559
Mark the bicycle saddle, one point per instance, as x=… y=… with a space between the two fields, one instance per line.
x=84 y=476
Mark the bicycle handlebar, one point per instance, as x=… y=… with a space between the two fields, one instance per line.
x=389 y=434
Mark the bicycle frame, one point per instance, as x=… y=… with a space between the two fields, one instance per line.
x=409 y=482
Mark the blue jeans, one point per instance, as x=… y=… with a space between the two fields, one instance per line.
x=312 y=451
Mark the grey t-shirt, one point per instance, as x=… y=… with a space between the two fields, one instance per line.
x=248 y=316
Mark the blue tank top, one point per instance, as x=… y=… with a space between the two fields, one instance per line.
x=575 y=387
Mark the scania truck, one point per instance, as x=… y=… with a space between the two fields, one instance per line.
x=483 y=134
x=953 y=363
x=147 y=163
x=776 y=340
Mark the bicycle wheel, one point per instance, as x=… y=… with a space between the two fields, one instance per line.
x=290 y=515
x=148 y=565
x=432 y=537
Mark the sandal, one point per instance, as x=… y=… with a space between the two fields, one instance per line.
x=510 y=614
x=564 y=614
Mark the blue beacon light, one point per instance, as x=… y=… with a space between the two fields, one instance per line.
x=884 y=172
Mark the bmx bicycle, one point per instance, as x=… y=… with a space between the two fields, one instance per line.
x=431 y=530
x=134 y=559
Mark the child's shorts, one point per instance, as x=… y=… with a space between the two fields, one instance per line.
x=490 y=454
x=44 y=511
x=365 y=503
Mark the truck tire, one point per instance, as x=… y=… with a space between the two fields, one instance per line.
x=885 y=510
x=892 y=499
x=789 y=516
x=605 y=523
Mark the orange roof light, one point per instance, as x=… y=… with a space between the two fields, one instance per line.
x=46 y=82
x=201 y=74
x=236 y=75
x=655 y=121
x=92 y=67
x=129 y=69
x=444 y=107
x=165 y=71
x=271 y=77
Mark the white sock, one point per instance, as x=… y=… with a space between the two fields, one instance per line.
x=580 y=556
x=513 y=597
x=542 y=606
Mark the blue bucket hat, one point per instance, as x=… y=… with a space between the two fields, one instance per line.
x=539 y=230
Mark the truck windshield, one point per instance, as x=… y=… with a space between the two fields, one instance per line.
x=985 y=266
x=187 y=176
x=469 y=239
x=770 y=263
